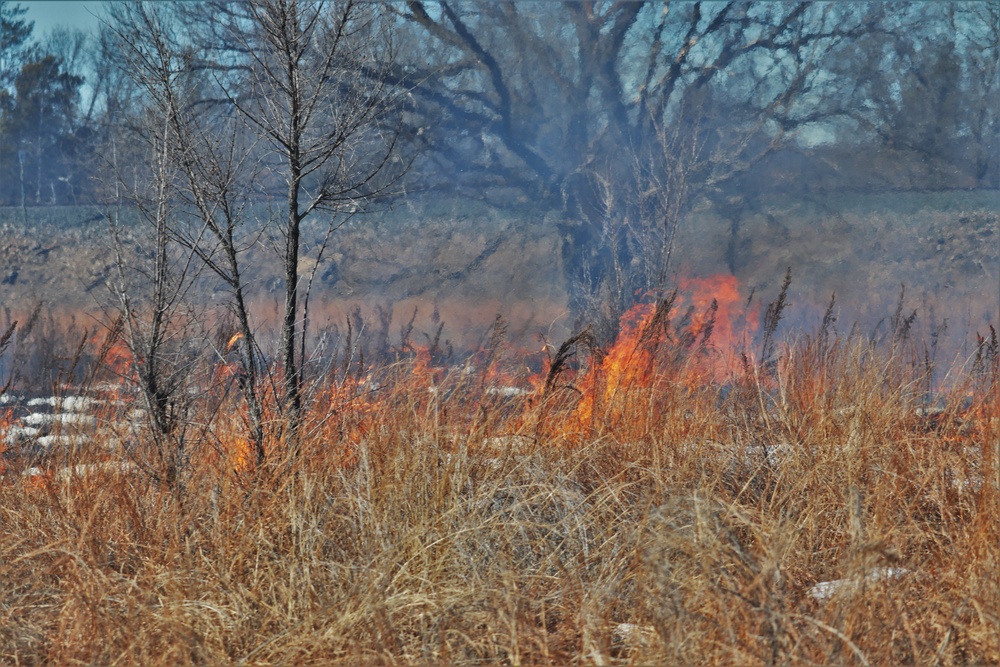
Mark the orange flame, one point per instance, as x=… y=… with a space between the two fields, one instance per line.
x=734 y=325
x=627 y=363
x=232 y=341
x=655 y=345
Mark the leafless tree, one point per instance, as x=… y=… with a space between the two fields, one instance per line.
x=323 y=126
x=271 y=123
x=207 y=163
x=650 y=104
x=150 y=285
x=926 y=93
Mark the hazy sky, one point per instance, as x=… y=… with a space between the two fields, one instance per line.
x=48 y=15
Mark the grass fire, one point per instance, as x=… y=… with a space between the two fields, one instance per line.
x=697 y=491
x=445 y=332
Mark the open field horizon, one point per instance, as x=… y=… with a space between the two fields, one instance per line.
x=527 y=333
x=469 y=262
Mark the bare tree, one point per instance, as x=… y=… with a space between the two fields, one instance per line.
x=927 y=92
x=271 y=123
x=208 y=166
x=323 y=125
x=153 y=276
x=646 y=105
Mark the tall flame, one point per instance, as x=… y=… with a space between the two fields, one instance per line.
x=735 y=322
x=688 y=340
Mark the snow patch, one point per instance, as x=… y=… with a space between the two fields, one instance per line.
x=825 y=590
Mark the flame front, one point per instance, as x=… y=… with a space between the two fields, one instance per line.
x=692 y=338
x=735 y=323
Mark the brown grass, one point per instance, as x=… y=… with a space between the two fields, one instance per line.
x=429 y=519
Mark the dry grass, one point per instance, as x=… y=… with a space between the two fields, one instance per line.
x=430 y=519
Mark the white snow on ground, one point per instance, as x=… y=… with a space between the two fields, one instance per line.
x=632 y=635
x=68 y=473
x=40 y=419
x=20 y=434
x=825 y=590
x=52 y=441
x=86 y=469
x=66 y=403
x=508 y=392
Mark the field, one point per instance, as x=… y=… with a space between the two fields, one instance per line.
x=470 y=262
x=737 y=485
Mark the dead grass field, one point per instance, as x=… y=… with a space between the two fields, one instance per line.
x=829 y=497
x=655 y=503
